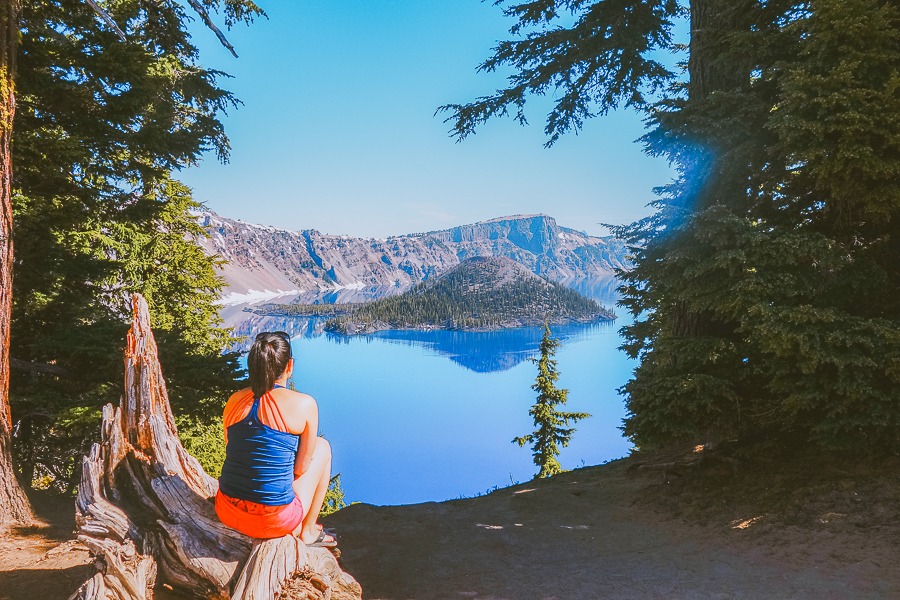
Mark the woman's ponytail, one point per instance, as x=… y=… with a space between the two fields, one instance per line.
x=267 y=360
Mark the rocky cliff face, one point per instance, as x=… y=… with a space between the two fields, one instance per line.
x=265 y=261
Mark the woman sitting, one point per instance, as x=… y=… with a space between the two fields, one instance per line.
x=275 y=465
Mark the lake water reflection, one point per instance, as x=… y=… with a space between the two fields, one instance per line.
x=415 y=416
x=489 y=351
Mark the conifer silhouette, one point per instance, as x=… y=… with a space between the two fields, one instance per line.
x=552 y=425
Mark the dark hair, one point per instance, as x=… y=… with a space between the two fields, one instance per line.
x=267 y=360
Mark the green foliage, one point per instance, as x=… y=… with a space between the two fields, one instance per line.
x=604 y=59
x=552 y=425
x=334 y=497
x=773 y=309
x=81 y=330
x=205 y=441
x=839 y=111
x=766 y=285
x=100 y=126
x=51 y=456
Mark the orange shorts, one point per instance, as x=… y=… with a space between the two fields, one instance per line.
x=259 y=520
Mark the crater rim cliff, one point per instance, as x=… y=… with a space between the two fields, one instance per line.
x=265 y=262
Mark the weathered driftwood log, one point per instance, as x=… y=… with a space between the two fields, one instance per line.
x=145 y=509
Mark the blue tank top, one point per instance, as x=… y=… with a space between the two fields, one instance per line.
x=259 y=462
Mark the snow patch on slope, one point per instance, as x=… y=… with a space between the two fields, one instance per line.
x=254 y=296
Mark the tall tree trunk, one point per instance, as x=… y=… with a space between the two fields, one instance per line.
x=14 y=505
x=716 y=179
x=711 y=23
x=713 y=68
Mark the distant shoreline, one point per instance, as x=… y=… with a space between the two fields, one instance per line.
x=361 y=327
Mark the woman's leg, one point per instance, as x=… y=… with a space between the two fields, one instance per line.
x=311 y=488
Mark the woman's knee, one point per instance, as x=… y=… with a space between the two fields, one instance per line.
x=323 y=447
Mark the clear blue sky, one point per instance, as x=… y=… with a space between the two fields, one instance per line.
x=337 y=131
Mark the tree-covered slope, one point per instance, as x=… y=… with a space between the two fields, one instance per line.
x=481 y=293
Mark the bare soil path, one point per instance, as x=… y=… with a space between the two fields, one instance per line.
x=43 y=562
x=602 y=532
x=661 y=527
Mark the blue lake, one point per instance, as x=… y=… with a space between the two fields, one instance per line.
x=417 y=416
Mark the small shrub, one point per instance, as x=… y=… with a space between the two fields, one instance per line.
x=334 y=497
x=205 y=441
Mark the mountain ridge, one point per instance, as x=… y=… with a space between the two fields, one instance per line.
x=264 y=262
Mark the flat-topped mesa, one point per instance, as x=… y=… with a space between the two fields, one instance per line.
x=511 y=218
x=265 y=261
x=536 y=234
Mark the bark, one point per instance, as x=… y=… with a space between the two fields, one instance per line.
x=145 y=508
x=716 y=172
x=708 y=67
x=14 y=506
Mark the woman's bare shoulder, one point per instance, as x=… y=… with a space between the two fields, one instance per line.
x=290 y=398
x=296 y=408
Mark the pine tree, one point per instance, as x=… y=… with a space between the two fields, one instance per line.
x=765 y=287
x=552 y=425
x=99 y=126
x=334 y=497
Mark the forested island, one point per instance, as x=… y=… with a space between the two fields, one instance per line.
x=480 y=294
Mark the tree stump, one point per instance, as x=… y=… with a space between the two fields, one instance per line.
x=145 y=508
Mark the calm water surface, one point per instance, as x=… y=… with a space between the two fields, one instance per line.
x=418 y=416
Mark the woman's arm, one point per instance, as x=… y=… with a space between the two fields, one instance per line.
x=308 y=413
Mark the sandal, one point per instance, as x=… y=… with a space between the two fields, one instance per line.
x=322 y=542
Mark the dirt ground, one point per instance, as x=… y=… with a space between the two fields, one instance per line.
x=679 y=525
x=675 y=526
x=43 y=562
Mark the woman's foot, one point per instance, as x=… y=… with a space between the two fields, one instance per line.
x=323 y=539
